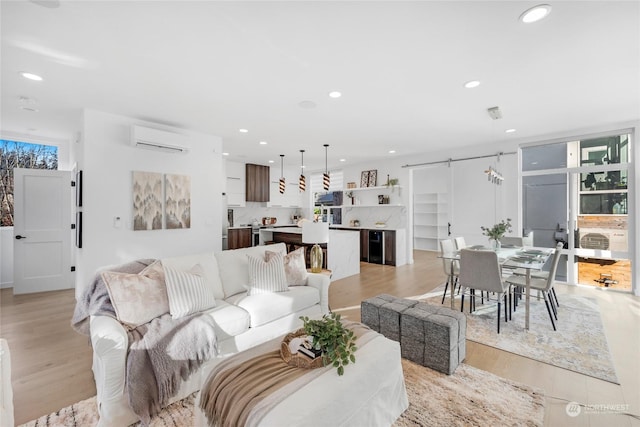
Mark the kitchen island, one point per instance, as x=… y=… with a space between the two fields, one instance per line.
x=343 y=248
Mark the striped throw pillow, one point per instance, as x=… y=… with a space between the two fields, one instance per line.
x=187 y=291
x=267 y=277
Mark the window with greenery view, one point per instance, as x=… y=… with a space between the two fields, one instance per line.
x=15 y=154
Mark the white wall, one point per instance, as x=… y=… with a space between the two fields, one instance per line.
x=474 y=200
x=108 y=159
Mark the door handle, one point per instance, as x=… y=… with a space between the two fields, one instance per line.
x=18 y=237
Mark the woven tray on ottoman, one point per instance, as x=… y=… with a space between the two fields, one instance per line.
x=298 y=360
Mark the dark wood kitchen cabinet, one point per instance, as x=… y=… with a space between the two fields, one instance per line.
x=389 y=238
x=364 y=245
x=257 y=183
x=239 y=238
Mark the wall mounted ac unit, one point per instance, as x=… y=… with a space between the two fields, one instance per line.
x=603 y=239
x=154 y=139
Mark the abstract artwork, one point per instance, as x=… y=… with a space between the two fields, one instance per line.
x=147 y=201
x=177 y=201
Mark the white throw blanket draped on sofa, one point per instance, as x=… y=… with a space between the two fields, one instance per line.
x=161 y=352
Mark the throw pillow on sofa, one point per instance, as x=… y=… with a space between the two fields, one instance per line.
x=295 y=266
x=187 y=291
x=137 y=298
x=267 y=277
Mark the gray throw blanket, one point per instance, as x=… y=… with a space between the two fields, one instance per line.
x=161 y=353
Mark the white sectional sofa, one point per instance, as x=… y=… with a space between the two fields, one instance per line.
x=241 y=322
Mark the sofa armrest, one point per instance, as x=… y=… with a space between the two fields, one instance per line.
x=110 y=343
x=322 y=283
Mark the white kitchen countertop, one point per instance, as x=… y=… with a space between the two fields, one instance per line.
x=373 y=227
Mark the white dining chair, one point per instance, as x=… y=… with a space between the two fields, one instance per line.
x=451 y=267
x=460 y=243
x=480 y=270
x=545 y=286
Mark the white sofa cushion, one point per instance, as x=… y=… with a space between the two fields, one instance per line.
x=266 y=276
x=233 y=266
x=137 y=298
x=209 y=266
x=230 y=320
x=295 y=267
x=187 y=291
x=264 y=308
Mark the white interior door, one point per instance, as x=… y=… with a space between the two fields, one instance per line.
x=42 y=230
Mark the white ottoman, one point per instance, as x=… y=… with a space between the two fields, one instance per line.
x=370 y=393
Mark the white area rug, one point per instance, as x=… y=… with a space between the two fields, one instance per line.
x=579 y=344
x=469 y=397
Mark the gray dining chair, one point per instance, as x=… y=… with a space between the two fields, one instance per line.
x=480 y=270
x=512 y=240
x=450 y=266
x=542 y=274
x=545 y=286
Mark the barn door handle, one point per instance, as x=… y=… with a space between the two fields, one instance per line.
x=18 y=237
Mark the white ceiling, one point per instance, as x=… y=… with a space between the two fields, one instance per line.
x=216 y=67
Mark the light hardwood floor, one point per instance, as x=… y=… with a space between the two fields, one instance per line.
x=51 y=364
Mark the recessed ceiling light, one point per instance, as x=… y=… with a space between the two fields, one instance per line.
x=31 y=76
x=472 y=83
x=535 y=13
x=270 y=161
x=509 y=131
x=225 y=154
x=263 y=142
x=392 y=151
x=343 y=160
x=243 y=130
x=335 y=94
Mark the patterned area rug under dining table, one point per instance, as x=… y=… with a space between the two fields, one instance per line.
x=579 y=344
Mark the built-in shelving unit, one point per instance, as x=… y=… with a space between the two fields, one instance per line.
x=430 y=216
x=367 y=197
x=379 y=188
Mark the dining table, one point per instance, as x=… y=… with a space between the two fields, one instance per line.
x=512 y=257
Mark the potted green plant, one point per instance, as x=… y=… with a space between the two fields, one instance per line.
x=337 y=343
x=496 y=232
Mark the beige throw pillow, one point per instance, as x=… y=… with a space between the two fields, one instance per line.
x=295 y=266
x=266 y=276
x=137 y=298
x=188 y=292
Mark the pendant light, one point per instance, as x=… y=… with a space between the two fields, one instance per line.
x=325 y=176
x=302 y=182
x=282 y=174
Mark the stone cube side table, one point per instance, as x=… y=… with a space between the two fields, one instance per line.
x=383 y=313
x=434 y=337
